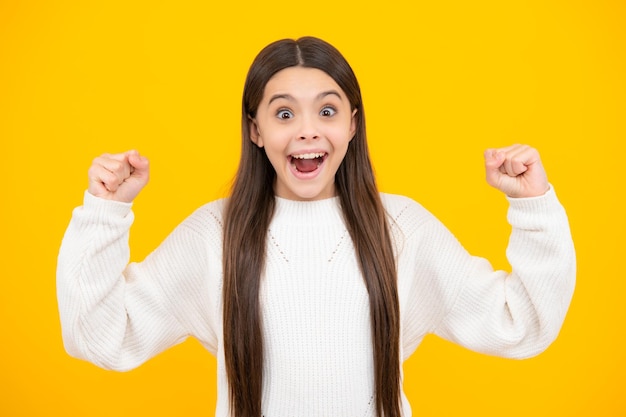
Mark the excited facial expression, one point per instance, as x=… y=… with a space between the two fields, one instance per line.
x=305 y=124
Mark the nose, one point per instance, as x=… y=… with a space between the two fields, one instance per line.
x=308 y=128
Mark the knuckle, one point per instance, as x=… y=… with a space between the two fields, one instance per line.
x=110 y=178
x=116 y=166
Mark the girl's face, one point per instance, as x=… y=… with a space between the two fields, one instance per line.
x=305 y=124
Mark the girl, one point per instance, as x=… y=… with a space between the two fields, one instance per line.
x=309 y=285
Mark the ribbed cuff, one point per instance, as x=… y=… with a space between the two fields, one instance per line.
x=531 y=211
x=103 y=209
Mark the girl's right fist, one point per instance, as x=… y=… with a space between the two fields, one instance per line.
x=118 y=177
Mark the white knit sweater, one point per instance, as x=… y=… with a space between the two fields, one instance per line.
x=318 y=353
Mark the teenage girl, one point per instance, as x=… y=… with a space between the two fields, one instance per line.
x=309 y=285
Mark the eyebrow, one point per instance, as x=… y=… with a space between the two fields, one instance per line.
x=289 y=97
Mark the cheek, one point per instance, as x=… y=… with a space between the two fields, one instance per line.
x=278 y=132
x=340 y=136
x=274 y=138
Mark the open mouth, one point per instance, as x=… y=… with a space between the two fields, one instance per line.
x=307 y=162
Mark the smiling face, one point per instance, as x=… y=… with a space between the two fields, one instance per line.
x=305 y=124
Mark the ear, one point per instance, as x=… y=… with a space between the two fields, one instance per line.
x=353 y=123
x=255 y=134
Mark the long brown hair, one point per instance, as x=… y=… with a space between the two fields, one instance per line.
x=247 y=218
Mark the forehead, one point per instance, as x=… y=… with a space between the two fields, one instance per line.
x=300 y=82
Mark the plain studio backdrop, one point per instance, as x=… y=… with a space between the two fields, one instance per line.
x=441 y=81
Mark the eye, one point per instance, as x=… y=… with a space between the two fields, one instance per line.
x=284 y=114
x=328 y=111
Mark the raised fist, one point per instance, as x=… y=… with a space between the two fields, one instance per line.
x=119 y=176
x=516 y=171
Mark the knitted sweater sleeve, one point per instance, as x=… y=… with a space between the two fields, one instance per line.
x=515 y=314
x=115 y=314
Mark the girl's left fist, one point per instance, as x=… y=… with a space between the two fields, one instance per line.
x=517 y=171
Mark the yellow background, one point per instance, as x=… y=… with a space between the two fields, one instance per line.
x=442 y=80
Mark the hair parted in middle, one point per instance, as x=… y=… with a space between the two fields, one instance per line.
x=249 y=212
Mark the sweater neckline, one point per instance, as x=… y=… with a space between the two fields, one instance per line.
x=325 y=211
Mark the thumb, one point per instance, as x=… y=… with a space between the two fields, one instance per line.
x=139 y=174
x=140 y=165
x=493 y=163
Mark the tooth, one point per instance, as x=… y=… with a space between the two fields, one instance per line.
x=308 y=155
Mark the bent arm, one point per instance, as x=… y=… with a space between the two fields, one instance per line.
x=114 y=314
x=518 y=314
